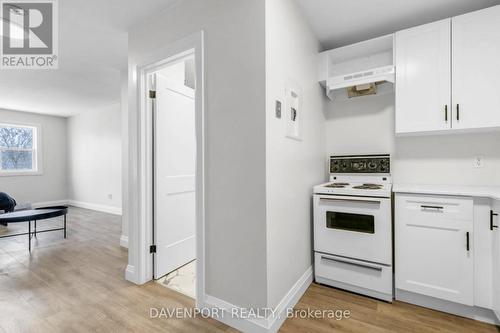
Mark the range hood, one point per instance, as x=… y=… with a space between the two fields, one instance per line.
x=361 y=81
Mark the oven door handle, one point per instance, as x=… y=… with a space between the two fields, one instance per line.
x=349 y=200
x=353 y=263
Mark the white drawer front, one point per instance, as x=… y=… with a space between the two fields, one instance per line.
x=354 y=272
x=430 y=210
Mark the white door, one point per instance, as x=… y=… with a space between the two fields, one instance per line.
x=496 y=259
x=423 y=80
x=174 y=176
x=433 y=247
x=476 y=69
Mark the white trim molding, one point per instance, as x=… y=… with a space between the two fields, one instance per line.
x=273 y=321
x=130 y=274
x=97 y=207
x=50 y=203
x=291 y=299
x=124 y=241
x=81 y=204
x=472 y=312
x=140 y=156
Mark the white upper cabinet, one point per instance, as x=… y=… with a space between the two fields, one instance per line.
x=448 y=74
x=423 y=84
x=476 y=69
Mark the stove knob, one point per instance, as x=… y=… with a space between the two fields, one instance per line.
x=372 y=165
x=344 y=165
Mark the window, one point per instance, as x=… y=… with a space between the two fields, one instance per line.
x=18 y=149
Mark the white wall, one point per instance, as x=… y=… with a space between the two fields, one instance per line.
x=51 y=184
x=366 y=125
x=293 y=167
x=235 y=137
x=94 y=158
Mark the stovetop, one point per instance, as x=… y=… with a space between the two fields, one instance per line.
x=362 y=189
x=366 y=175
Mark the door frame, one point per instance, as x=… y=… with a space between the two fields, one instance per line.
x=141 y=271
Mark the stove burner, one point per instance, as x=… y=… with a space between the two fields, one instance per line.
x=369 y=187
x=337 y=185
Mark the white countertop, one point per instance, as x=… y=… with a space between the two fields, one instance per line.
x=492 y=192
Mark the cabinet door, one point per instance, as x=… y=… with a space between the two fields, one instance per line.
x=476 y=69
x=431 y=251
x=496 y=261
x=423 y=78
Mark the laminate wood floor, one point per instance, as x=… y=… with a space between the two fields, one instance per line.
x=77 y=285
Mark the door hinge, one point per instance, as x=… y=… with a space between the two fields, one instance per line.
x=152 y=94
x=152 y=249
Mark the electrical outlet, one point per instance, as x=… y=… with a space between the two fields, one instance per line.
x=478 y=161
x=110 y=196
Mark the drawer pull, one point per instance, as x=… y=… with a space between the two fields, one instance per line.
x=431 y=207
x=467 y=238
x=492 y=215
x=377 y=268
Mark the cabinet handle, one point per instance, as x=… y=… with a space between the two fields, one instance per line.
x=458 y=111
x=431 y=207
x=446 y=113
x=467 y=237
x=492 y=214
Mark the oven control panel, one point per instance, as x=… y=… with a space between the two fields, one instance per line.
x=360 y=164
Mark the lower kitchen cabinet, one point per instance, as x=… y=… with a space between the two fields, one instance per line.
x=434 y=246
x=494 y=225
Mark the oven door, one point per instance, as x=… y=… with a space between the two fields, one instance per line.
x=353 y=227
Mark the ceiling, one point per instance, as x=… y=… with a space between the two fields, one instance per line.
x=342 y=22
x=92 y=52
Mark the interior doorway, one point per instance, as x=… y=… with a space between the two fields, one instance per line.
x=173 y=108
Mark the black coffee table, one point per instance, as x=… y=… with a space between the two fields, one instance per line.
x=35 y=215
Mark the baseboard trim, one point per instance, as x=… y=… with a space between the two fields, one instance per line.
x=97 y=207
x=130 y=274
x=270 y=324
x=291 y=299
x=472 y=312
x=50 y=203
x=246 y=325
x=124 y=241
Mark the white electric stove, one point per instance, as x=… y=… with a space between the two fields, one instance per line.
x=353 y=226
